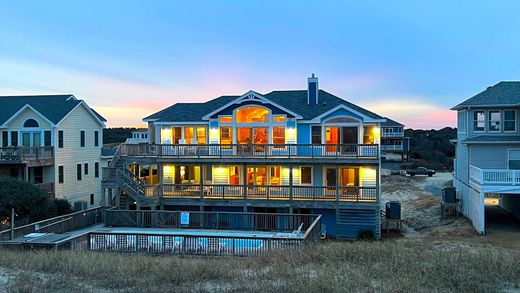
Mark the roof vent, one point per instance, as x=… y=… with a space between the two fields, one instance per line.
x=312 y=90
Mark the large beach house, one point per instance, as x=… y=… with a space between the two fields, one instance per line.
x=487 y=161
x=297 y=151
x=53 y=141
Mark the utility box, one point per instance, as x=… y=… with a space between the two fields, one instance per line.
x=393 y=210
x=80 y=205
x=449 y=195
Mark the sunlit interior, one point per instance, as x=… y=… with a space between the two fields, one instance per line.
x=252 y=114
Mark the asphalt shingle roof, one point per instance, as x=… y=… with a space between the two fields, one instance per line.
x=504 y=93
x=295 y=101
x=493 y=139
x=390 y=123
x=53 y=107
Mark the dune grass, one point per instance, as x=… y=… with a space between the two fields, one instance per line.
x=384 y=266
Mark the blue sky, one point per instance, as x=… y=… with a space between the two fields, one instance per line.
x=408 y=60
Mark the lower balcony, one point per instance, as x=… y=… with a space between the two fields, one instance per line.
x=494 y=176
x=263 y=192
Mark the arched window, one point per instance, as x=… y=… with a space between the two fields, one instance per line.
x=342 y=120
x=31 y=123
x=252 y=114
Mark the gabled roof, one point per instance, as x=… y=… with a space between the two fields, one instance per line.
x=295 y=101
x=504 y=93
x=391 y=123
x=53 y=107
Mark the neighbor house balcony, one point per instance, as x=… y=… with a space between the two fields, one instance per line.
x=391 y=147
x=494 y=176
x=392 y=134
x=32 y=156
x=330 y=152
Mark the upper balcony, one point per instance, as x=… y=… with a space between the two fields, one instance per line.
x=32 y=156
x=327 y=152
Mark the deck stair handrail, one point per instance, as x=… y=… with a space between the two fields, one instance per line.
x=132 y=185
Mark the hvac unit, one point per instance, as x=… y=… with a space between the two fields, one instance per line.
x=449 y=195
x=393 y=210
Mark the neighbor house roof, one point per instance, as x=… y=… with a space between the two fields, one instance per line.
x=391 y=123
x=52 y=107
x=108 y=152
x=295 y=101
x=504 y=93
x=492 y=139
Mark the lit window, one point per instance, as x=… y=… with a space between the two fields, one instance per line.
x=509 y=120
x=275 y=177
x=226 y=135
x=479 y=121
x=201 y=135
x=279 y=135
x=189 y=135
x=252 y=115
x=226 y=119
x=279 y=118
x=494 y=120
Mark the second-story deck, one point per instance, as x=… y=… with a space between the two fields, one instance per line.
x=329 y=152
x=32 y=156
x=494 y=176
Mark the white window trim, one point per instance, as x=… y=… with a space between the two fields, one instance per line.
x=499 y=121
x=508 y=156
x=504 y=120
x=312 y=176
x=473 y=121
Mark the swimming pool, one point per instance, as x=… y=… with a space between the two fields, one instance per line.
x=187 y=240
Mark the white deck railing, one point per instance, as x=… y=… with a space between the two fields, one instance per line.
x=494 y=176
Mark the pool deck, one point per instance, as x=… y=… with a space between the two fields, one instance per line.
x=54 y=238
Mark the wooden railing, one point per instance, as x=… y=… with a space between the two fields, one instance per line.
x=332 y=151
x=21 y=154
x=392 y=134
x=494 y=176
x=266 y=192
x=59 y=224
x=46 y=186
x=389 y=147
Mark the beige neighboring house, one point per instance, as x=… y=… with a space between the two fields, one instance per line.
x=54 y=142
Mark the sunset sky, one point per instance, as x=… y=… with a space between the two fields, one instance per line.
x=409 y=60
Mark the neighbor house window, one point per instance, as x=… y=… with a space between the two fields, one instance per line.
x=316 y=134
x=96 y=169
x=509 y=120
x=5 y=138
x=306 y=175
x=82 y=138
x=47 y=138
x=91 y=199
x=14 y=138
x=61 y=174
x=479 y=121
x=78 y=172
x=60 y=139
x=514 y=159
x=96 y=138
x=495 y=118
x=86 y=169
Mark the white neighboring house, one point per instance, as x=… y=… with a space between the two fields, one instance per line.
x=487 y=165
x=139 y=136
x=53 y=141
